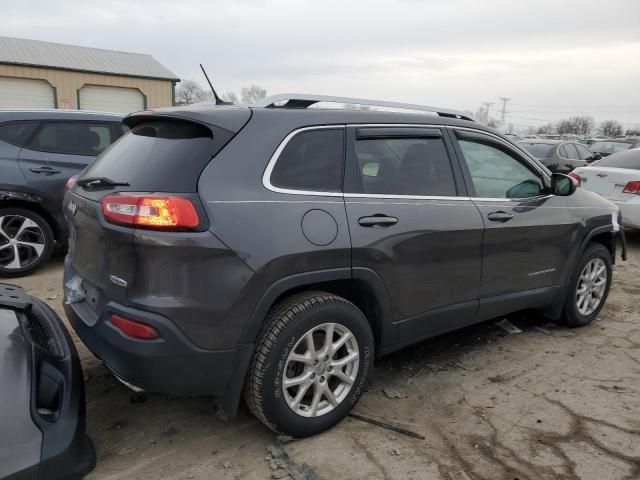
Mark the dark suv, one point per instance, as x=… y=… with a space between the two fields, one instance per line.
x=39 y=151
x=277 y=249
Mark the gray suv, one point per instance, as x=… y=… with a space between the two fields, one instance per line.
x=275 y=250
x=39 y=151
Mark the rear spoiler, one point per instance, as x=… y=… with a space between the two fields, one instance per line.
x=231 y=118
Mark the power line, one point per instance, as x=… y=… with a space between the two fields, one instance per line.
x=487 y=106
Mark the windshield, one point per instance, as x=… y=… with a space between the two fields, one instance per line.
x=538 y=150
x=610 y=147
x=628 y=159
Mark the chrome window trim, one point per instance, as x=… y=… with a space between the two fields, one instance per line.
x=266 y=176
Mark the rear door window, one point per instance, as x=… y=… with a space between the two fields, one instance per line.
x=74 y=138
x=570 y=152
x=403 y=166
x=17 y=133
x=311 y=161
x=584 y=152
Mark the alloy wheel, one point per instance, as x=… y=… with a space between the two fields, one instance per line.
x=592 y=285
x=22 y=242
x=320 y=370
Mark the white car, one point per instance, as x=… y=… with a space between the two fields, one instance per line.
x=616 y=178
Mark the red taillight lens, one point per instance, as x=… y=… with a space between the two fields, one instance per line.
x=134 y=329
x=152 y=211
x=71 y=181
x=576 y=177
x=632 y=187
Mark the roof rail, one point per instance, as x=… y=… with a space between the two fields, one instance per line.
x=303 y=100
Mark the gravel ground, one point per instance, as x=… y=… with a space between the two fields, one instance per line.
x=546 y=403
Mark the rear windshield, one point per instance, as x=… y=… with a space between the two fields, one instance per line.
x=159 y=156
x=539 y=150
x=610 y=147
x=628 y=159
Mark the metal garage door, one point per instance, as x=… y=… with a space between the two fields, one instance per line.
x=110 y=99
x=25 y=93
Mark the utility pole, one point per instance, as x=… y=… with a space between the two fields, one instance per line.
x=487 y=106
x=504 y=107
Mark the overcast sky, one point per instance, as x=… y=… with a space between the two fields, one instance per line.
x=553 y=58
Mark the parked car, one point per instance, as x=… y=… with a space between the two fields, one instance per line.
x=616 y=178
x=614 y=145
x=559 y=156
x=39 y=151
x=291 y=245
x=42 y=403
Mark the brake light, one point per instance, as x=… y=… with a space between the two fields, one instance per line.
x=576 y=177
x=133 y=328
x=71 y=181
x=632 y=187
x=150 y=211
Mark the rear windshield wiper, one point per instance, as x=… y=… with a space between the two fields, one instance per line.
x=91 y=182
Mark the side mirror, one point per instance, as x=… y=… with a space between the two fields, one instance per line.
x=563 y=185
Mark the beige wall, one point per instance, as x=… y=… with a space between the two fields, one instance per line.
x=67 y=83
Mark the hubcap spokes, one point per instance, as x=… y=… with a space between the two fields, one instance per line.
x=320 y=370
x=591 y=286
x=21 y=241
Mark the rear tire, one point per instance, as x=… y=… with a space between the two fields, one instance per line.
x=293 y=347
x=26 y=241
x=588 y=287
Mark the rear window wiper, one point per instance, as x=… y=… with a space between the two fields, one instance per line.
x=91 y=182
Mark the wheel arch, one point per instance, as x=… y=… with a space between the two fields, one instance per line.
x=361 y=286
x=13 y=199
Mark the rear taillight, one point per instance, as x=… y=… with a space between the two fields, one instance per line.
x=134 y=328
x=632 y=187
x=150 y=211
x=71 y=181
x=576 y=177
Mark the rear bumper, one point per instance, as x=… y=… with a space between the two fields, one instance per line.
x=170 y=364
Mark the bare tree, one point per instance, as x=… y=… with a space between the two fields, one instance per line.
x=546 y=129
x=252 y=94
x=230 y=97
x=610 y=128
x=188 y=92
x=632 y=132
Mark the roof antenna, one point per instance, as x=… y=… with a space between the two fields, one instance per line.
x=219 y=101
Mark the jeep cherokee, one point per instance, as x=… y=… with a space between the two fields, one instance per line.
x=276 y=249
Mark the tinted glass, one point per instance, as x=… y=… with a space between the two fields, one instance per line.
x=497 y=174
x=610 y=147
x=17 y=133
x=313 y=161
x=404 y=166
x=77 y=138
x=628 y=159
x=157 y=156
x=584 y=153
x=570 y=151
x=538 y=150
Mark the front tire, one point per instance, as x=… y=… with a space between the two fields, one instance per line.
x=589 y=286
x=26 y=241
x=311 y=364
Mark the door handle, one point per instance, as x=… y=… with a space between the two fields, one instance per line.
x=45 y=170
x=377 y=221
x=499 y=217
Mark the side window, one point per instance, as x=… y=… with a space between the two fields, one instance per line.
x=584 y=153
x=17 y=133
x=312 y=160
x=76 y=138
x=572 y=153
x=498 y=174
x=404 y=166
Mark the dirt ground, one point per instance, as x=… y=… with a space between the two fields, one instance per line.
x=546 y=403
